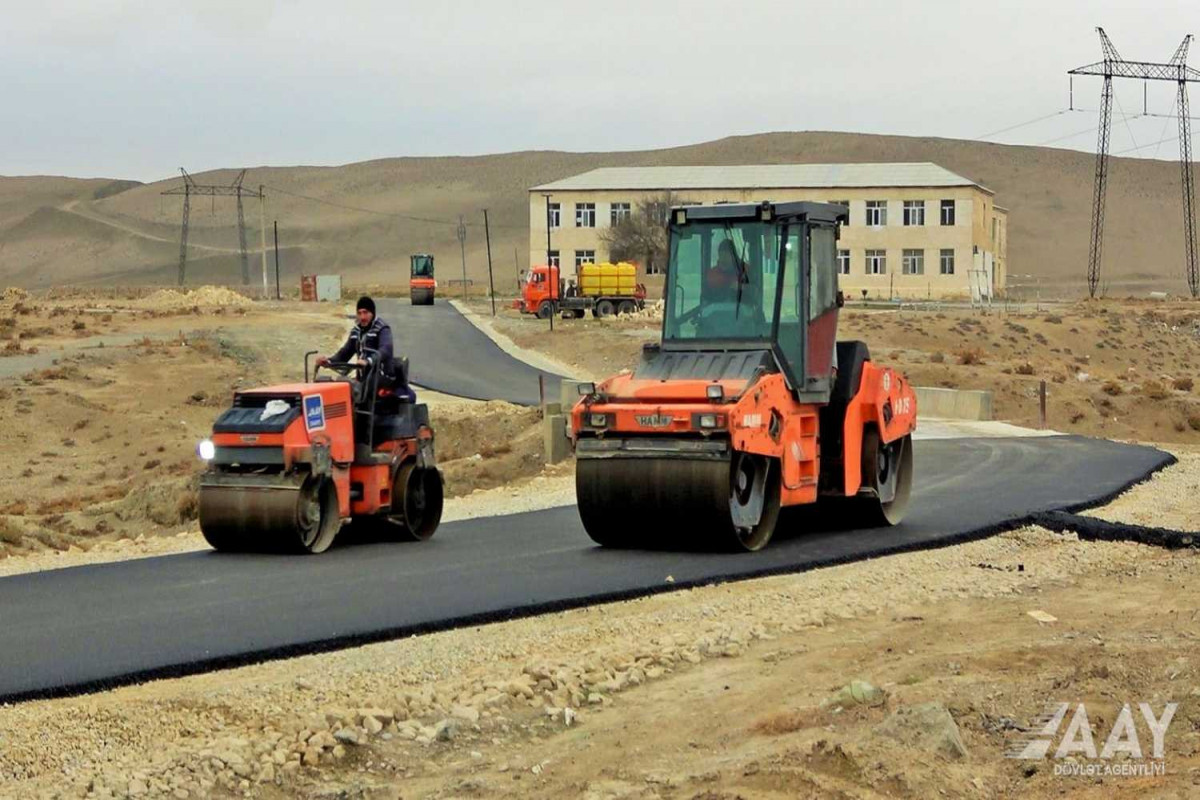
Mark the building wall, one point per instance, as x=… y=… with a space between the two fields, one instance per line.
x=971 y=233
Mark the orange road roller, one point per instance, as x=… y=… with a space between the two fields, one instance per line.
x=748 y=406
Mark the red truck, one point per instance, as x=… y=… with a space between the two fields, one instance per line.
x=603 y=289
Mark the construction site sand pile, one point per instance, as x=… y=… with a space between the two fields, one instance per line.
x=204 y=296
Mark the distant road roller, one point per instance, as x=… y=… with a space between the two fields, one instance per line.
x=748 y=405
x=289 y=465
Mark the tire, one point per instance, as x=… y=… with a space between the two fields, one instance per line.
x=545 y=310
x=626 y=307
x=605 y=308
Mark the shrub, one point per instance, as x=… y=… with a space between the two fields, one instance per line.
x=937 y=358
x=1194 y=421
x=970 y=356
x=1112 y=389
x=1155 y=390
x=1024 y=369
x=1182 y=384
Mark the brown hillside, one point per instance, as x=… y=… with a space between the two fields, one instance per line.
x=132 y=236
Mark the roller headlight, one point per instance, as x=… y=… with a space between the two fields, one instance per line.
x=598 y=420
x=206 y=450
x=708 y=421
x=715 y=392
x=586 y=389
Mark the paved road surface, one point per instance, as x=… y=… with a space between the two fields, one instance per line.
x=93 y=626
x=449 y=354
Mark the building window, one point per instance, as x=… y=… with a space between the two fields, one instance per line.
x=913 y=262
x=844 y=262
x=584 y=257
x=994 y=220
x=876 y=262
x=619 y=212
x=877 y=213
x=553 y=259
x=585 y=215
x=948 y=261
x=845 y=203
x=555 y=214
x=947 y=212
x=914 y=212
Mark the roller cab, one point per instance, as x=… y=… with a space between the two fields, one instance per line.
x=748 y=405
x=421 y=283
x=288 y=465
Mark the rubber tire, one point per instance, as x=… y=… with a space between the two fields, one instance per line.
x=545 y=310
x=604 y=309
x=626 y=307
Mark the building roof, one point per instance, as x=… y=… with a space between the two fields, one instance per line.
x=763 y=176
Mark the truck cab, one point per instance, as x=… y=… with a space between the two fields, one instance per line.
x=540 y=291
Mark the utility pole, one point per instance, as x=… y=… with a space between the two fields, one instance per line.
x=1177 y=71
x=549 y=266
x=262 y=237
x=487 y=235
x=189 y=189
x=278 y=293
x=462 y=247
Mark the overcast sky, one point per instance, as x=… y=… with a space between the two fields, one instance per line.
x=118 y=88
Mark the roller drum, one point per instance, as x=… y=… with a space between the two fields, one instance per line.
x=670 y=503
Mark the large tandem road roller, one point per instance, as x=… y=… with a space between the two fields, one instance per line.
x=748 y=405
x=289 y=464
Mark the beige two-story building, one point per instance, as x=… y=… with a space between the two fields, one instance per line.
x=915 y=230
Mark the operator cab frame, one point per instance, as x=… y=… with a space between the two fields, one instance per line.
x=755 y=277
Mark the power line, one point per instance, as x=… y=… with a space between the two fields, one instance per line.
x=377 y=212
x=1021 y=124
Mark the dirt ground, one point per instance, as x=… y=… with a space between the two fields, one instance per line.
x=743 y=690
x=111 y=391
x=1127 y=369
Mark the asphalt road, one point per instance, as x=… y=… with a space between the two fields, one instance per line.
x=448 y=354
x=89 y=627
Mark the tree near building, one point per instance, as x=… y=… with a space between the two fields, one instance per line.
x=642 y=236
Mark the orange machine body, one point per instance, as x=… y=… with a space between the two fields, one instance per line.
x=362 y=488
x=760 y=416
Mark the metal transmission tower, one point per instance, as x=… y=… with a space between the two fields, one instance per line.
x=190 y=188
x=1177 y=70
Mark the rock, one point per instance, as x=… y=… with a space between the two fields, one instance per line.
x=466 y=713
x=856 y=693
x=372 y=725
x=137 y=788
x=446 y=730
x=927 y=726
x=348 y=736
x=569 y=716
x=382 y=715
x=595 y=698
x=339 y=752
x=267 y=774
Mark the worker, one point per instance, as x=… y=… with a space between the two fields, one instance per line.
x=372 y=333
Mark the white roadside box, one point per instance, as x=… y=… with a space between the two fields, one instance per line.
x=329 y=288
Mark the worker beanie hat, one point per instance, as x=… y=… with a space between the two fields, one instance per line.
x=365 y=302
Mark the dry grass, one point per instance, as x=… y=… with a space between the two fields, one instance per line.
x=970 y=356
x=11 y=532
x=791 y=721
x=1155 y=390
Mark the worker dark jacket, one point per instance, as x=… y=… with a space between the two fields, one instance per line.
x=378 y=337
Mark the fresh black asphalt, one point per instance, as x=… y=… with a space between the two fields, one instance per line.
x=448 y=354
x=82 y=628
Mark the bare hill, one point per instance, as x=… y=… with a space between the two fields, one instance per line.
x=55 y=230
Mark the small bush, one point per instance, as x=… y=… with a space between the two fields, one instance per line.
x=1054 y=319
x=1112 y=389
x=188 y=506
x=1024 y=369
x=1076 y=416
x=1194 y=421
x=1182 y=384
x=1155 y=390
x=970 y=356
x=937 y=358
x=10 y=532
